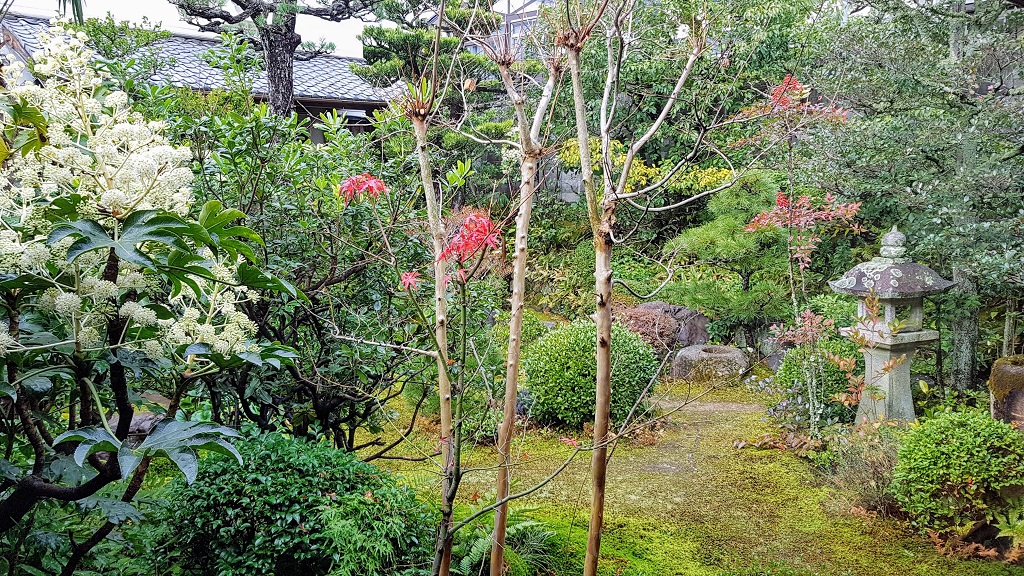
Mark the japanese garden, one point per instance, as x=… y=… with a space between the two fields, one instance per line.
x=530 y=288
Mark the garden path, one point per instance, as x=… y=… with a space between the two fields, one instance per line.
x=683 y=501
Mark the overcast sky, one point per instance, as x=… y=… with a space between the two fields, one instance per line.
x=343 y=34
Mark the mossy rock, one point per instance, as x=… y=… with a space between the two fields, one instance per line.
x=1007 y=387
x=1007 y=376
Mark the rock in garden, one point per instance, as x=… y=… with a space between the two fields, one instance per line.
x=1006 y=386
x=704 y=362
x=142 y=424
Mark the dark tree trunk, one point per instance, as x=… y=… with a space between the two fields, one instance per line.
x=279 y=44
x=963 y=357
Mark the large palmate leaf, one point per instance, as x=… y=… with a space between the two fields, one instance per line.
x=25 y=131
x=216 y=231
x=91 y=439
x=137 y=229
x=24 y=282
x=253 y=277
x=115 y=510
x=178 y=442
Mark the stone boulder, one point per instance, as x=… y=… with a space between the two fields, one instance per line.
x=692 y=325
x=1006 y=388
x=704 y=362
x=142 y=424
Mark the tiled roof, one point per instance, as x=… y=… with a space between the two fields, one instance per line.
x=322 y=78
x=26 y=29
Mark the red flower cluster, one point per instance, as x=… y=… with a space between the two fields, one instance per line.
x=810 y=328
x=789 y=93
x=410 y=280
x=477 y=232
x=801 y=218
x=360 y=185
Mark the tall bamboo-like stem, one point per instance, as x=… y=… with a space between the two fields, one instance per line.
x=529 y=140
x=602 y=220
x=444 y=389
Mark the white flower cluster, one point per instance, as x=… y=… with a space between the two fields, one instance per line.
x=223 y=326
x=110 y=162
x=97 y=146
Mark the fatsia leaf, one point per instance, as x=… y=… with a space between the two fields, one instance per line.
x=24 y=282
x=8 y=390
x=178 y=441
x=91 y=440
x=137 y=229
x=215 y=230
x=8 y=470
x=38 y=384
x=255 y=278
x=116 y=511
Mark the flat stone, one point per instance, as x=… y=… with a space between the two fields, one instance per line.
x=703 y=362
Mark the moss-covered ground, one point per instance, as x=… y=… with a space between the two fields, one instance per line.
x=684 y=501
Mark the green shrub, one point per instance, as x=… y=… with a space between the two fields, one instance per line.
x=795 y=406
x=955 y=468
x=533 y=328
x=560 y=370
x=295 y=507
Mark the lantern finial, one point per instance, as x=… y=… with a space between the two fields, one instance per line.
x=893 y=245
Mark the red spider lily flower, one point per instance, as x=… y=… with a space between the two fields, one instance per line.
x=410 y=280
x=360 y=185
x=477 y=232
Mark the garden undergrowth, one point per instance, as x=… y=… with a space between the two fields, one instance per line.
x=692 y=505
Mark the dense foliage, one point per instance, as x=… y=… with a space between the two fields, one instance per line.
x=295 y=507
x=559 y=372
x=793 y=381
x=957 y=468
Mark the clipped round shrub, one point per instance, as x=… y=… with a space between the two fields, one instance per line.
x=295 y=507
x=789 y=380
x=533 y=328
x=560 y=372
x=957 y=468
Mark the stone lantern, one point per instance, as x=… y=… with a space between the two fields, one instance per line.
x=900 y=287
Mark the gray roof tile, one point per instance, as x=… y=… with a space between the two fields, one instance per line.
x=26 y=29
x=322 y=78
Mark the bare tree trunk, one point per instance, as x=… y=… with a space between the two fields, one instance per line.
x=1010 y=327
x=602 y=408
x=963 y=357
x=515 y=329
x=529 y=140
x=280 y=42
x=443 y=555
x=602 y=282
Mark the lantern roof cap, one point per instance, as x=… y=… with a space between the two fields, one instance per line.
x=891 y=276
